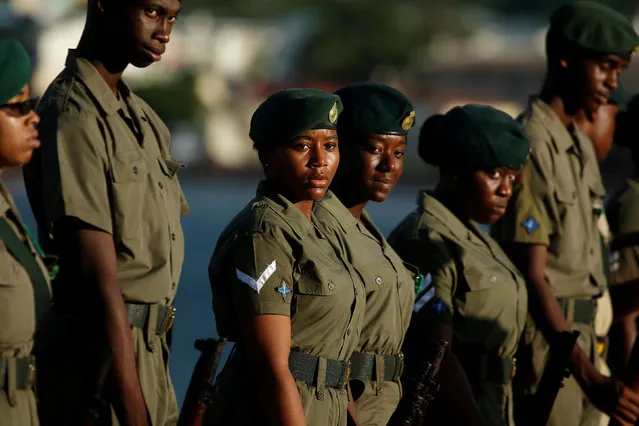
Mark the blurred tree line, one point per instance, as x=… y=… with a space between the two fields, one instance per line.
x=352 y=37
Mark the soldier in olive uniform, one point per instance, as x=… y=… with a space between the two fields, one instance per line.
x=105 y=193
x=24 y=280
x=551 y=231
x=286 y=295
x=474 y=296
x=623 y=213
x=372 y=133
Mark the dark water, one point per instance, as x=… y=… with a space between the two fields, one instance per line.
x=213 y=203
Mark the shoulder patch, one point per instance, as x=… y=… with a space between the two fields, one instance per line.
x=530 y=225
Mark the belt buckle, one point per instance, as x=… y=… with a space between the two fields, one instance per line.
x=513 y=368
x=401 y=364
x=169 y=323
x=348 y=372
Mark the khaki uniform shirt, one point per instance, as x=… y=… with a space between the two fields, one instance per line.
x=17 y=308
x=272 y=260
x=623 y=216
x=110 y=167
x=477 y=287
x=389 y=285
x=564 y=201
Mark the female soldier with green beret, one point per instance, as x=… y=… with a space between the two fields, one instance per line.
x=474 y=297
x=372 y=132
x=24 y=280
x=281 y=290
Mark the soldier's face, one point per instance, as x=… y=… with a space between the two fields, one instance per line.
x=18 y=134
x=303 y=168
x=594 y=79
x=487 y=193
x=146 y=29
x=376 y=166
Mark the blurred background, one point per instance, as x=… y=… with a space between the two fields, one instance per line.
x=225 y=57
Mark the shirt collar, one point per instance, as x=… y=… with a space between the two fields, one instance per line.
x=103 y=96
x=563 y=137
x=282 y=206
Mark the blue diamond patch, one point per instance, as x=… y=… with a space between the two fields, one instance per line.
x=530 y=225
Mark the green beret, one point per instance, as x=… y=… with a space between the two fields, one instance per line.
x=290 y=112
x=474 y=137
x=374 y=108
x=15 y=69
x=593 y=27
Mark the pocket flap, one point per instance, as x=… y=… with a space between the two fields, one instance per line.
x=321 y=282
x=129 y=167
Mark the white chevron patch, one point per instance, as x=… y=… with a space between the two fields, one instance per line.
x=259 y=283
x=426 y=295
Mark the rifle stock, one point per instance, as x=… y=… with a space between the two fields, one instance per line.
x=198 y=395
x=557 y=369
x=96 y=403
x=421 y=387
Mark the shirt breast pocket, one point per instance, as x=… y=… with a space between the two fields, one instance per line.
x=315 y=290
x=130 y=173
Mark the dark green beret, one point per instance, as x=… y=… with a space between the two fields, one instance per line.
x=374 y=108
x=474 y=137
x=593 y=27
x=290 y=112
x=15 y=69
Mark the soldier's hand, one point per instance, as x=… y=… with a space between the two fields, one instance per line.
x=615 y=399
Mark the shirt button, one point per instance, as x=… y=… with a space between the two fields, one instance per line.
x=135 y=170
x=173 y=286
x=173 y=237
x=348 y=331
x=161 y=185
x=356 y=292
x=378 y=280
x=493 y=279
x=331 y=286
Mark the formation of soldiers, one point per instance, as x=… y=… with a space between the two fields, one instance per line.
x=332 y=322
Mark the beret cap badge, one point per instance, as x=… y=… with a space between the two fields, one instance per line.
x=332 y=114
x=408 y=121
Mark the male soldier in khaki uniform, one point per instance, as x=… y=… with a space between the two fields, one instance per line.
x=105 y=194
x=372 y=133
x=551 y=230
x=25 y=291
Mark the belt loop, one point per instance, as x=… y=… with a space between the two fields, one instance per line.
x=12 y=376
x=379 y=373
x=321 y=377
x=151 y=327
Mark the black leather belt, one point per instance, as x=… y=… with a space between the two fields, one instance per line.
x=139 y=314
x=578 y=310
x=363 y=367
x=25 y=372
x=304 y=367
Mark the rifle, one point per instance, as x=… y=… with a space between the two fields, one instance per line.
x=422 y=388
x=200 y=391
x=96 y=403
x=556 y=370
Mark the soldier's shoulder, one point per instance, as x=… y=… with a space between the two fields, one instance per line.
x=67 y=96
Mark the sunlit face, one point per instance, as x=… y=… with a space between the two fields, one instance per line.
x=593 y=80
x=373 y=168
x=484 y=194
x=303 y=168
x=18 y=134
x=143 y=27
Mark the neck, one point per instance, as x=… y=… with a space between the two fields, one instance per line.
x=354 y=204
x=103 y=56
x=559 y=101
x=445 y=197
x=305 y=207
